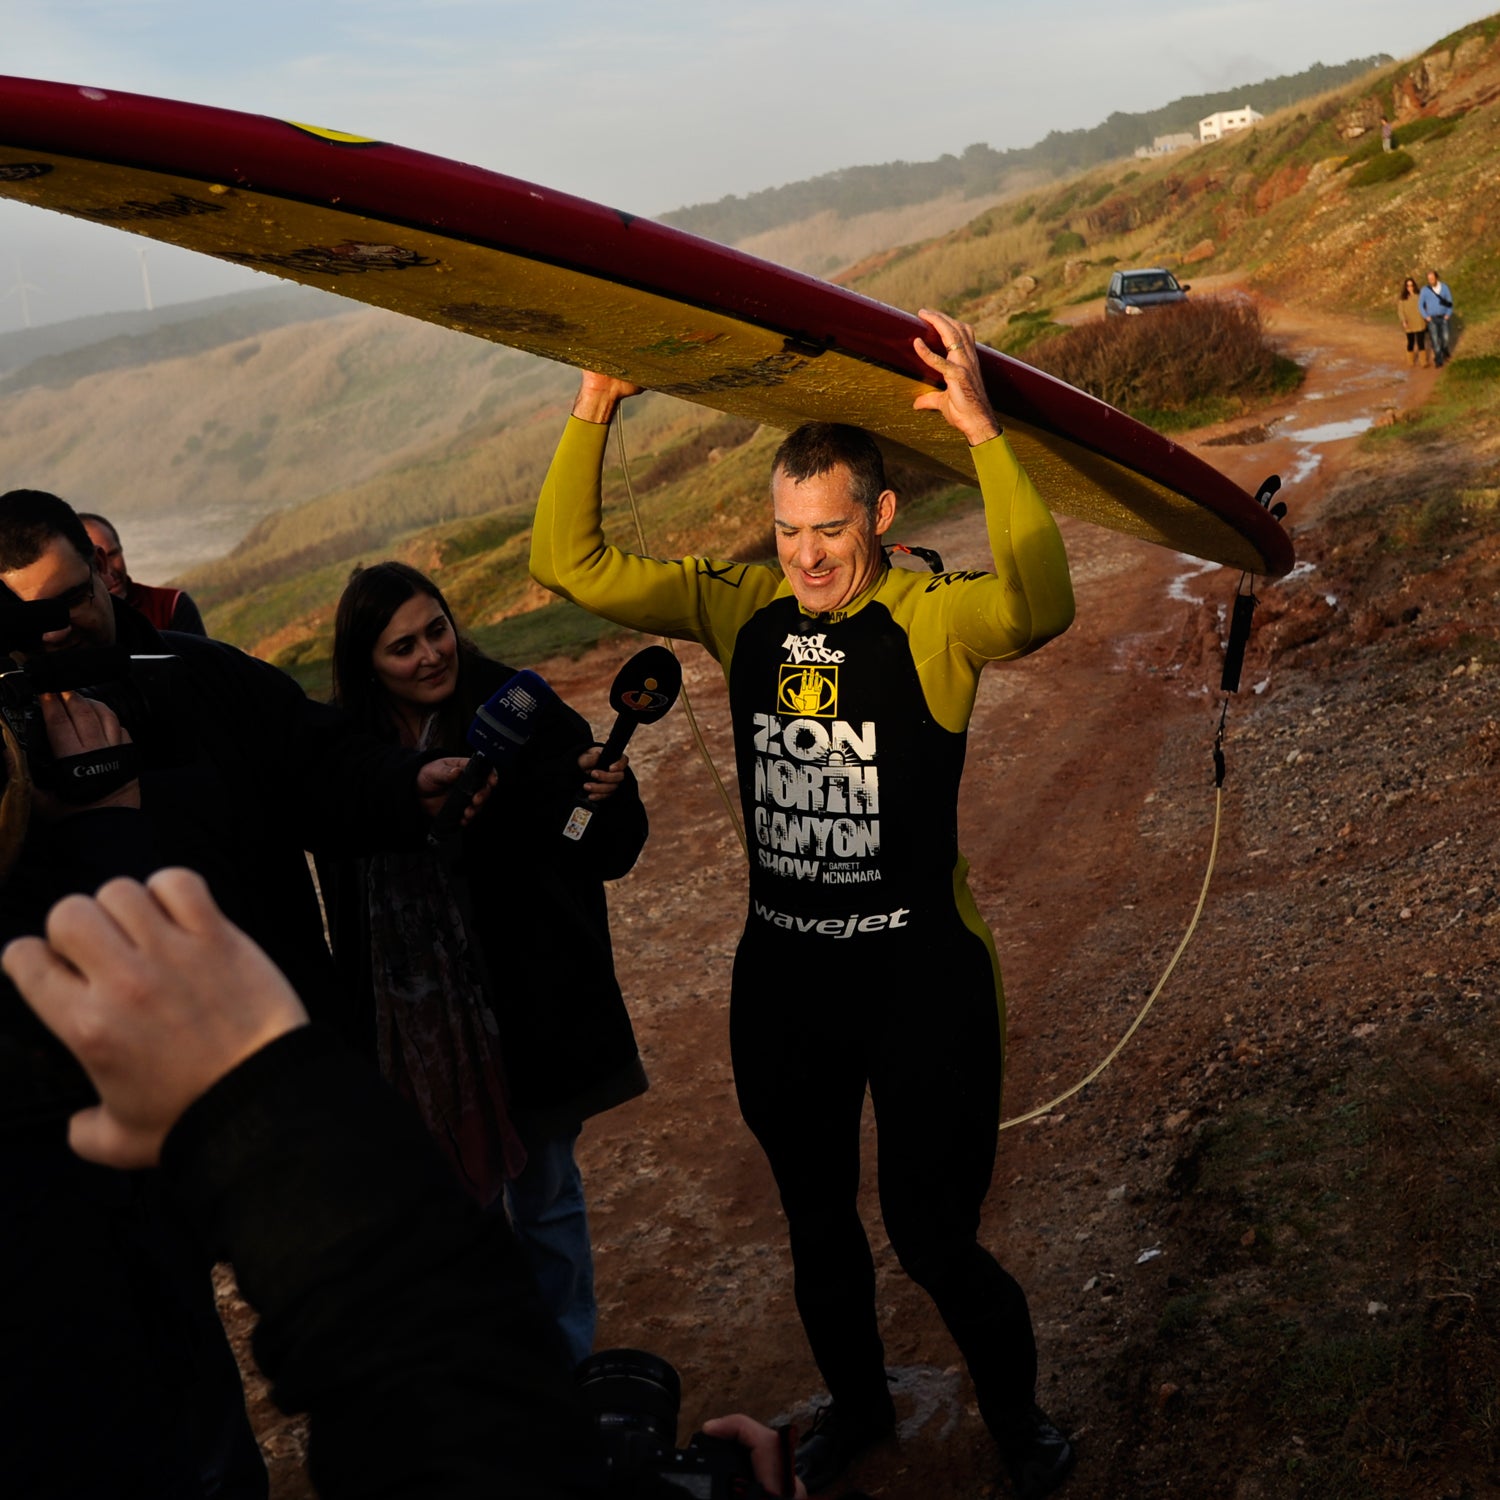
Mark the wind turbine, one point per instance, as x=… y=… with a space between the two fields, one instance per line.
x=21 y=287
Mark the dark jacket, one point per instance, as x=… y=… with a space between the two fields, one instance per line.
x=540 y=921
x=240 y=772
x=402 y=1319
x=166 y=608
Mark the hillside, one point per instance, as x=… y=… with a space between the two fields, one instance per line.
x=185 y=451
x=981 y=172
x=111 y=340
x=1306 y=205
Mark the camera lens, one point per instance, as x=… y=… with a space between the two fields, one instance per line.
x=628 y=1391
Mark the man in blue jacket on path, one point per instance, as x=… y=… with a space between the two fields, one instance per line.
x=1436 y=305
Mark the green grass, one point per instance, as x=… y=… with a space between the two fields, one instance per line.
x=1182 y=1315
x=1482 y=370
x=1061 y=205
x=1326 y=1380
x=1201 y=413
x=1386 y=167
x=1427 y=128
x=1467 y=391
x=1025 y=328
x=559 y=629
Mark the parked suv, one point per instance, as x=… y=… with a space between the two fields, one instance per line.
x=1135 y=291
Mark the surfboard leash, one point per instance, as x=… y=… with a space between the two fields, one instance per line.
x=1229 y=682
x=704 y=754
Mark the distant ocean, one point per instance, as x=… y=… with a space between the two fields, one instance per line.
x=161 y=548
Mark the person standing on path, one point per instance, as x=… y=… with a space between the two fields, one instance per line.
x=483 y=979
x=1413 y=324
x=864 y=961
x=1437 y=307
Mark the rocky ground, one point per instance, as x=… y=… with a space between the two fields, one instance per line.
x=1262 y=1249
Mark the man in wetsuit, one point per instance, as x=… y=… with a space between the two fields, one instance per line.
x=864 y=960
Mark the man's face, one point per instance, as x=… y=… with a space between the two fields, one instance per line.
x=828 y=543
x=1432 y=278
x=116 y=578
x=60 y=573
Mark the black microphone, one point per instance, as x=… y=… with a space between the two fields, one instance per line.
x=502 y=724
x=644 y=689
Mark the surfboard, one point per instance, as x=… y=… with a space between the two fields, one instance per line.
x=594 y=287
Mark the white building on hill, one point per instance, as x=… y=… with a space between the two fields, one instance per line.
x=1217 y=126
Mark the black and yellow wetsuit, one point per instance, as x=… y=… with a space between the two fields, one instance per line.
x=864 y=959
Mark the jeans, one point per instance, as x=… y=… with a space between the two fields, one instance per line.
x=550 y=1219
x=1438 y=328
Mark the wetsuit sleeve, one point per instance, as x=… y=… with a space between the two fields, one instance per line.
x=570 y=556
x=1030 y=599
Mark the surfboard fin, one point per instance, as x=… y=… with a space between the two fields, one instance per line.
x=1266 y=492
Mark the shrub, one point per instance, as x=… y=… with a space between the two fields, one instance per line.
x=1206 y=356
x=1427 y=128
x=1061 y=205
x=1067 y=242
x=1025 y=328
x=1386 y=167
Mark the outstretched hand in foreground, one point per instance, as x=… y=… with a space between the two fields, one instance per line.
x=158 y=995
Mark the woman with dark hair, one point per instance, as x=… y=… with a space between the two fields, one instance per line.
x=1413 y=324
x=483 y=976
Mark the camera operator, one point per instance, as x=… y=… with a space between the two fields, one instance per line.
x=240 y=771
x=130 y=1387
x=426 y=1374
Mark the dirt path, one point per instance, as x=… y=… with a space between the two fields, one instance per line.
x=1086 y=814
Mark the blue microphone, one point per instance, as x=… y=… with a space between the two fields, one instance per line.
x=502 y=724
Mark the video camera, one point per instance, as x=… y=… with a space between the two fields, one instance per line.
x=634 y=1399
x=109 y=674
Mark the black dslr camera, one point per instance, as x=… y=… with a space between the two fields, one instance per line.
x=26 y=672
x=634 y=1399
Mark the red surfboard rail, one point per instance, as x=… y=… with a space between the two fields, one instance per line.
x=461 y=202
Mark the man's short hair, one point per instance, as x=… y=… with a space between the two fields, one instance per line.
x=93 y=518
x=816 y=447
x=29 y=520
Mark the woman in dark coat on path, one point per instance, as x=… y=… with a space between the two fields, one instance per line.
x=482 y=976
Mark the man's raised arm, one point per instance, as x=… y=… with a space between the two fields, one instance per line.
x=1034 y=602
x=569 y=554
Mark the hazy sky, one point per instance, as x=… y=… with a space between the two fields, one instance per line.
x=652 y=105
